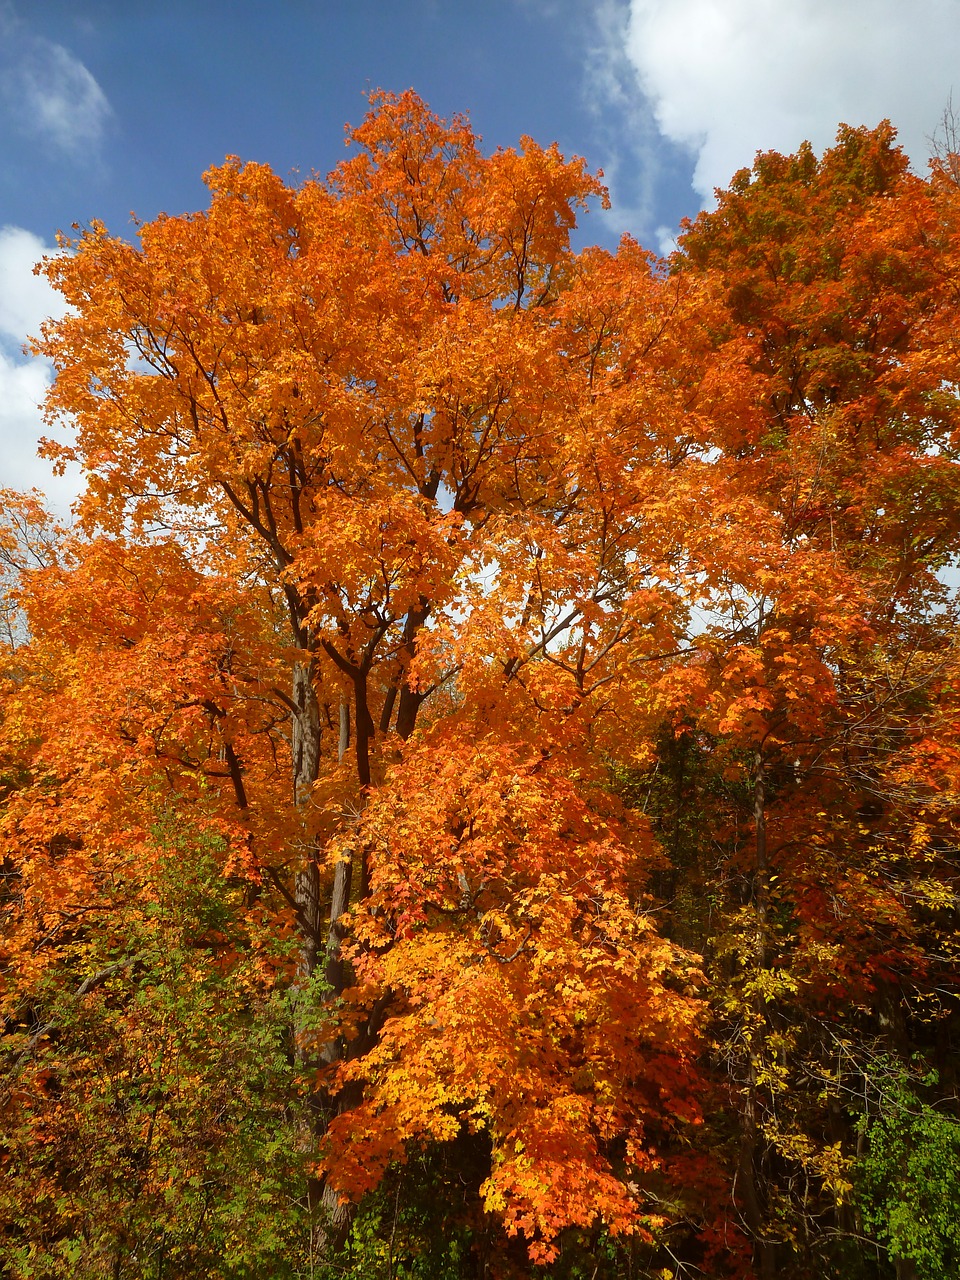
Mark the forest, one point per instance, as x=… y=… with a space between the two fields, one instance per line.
x=480 y=774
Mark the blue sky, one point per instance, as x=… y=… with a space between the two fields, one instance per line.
x=108 y=107
x=175 y=86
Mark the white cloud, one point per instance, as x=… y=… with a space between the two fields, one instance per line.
x=626 y=128
x=726 y=78
x=25 y=301
x=49 y=94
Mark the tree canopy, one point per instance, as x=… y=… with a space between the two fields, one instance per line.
x=480 y=777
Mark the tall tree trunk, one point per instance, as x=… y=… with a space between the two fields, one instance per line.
x=305 y=737
x=306 y=730
x=337 y=1215
x=305 y=743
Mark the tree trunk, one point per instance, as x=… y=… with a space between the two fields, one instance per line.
x=305 y=737
x=410 y=701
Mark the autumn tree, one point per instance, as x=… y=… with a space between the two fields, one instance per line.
x=375 y=519
x=831 y=649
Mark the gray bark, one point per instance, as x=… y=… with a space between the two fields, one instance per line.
x=306 y=766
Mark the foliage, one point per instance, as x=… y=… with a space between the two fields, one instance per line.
x=544 y=666
x=148 y=1128
x=908 y=1176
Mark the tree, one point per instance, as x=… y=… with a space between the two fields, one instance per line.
x=146 y=1119
x=353 y=476
x=832 y=650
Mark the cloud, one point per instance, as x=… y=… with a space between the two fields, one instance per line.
x=623 y=117
x=628 y=143
x=25 y=301
x=726 y=78
x=49 y=94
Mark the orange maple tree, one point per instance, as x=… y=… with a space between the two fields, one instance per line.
x=363 y=476
x=831 y=646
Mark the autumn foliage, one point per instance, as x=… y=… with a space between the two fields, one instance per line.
x=480 y=776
